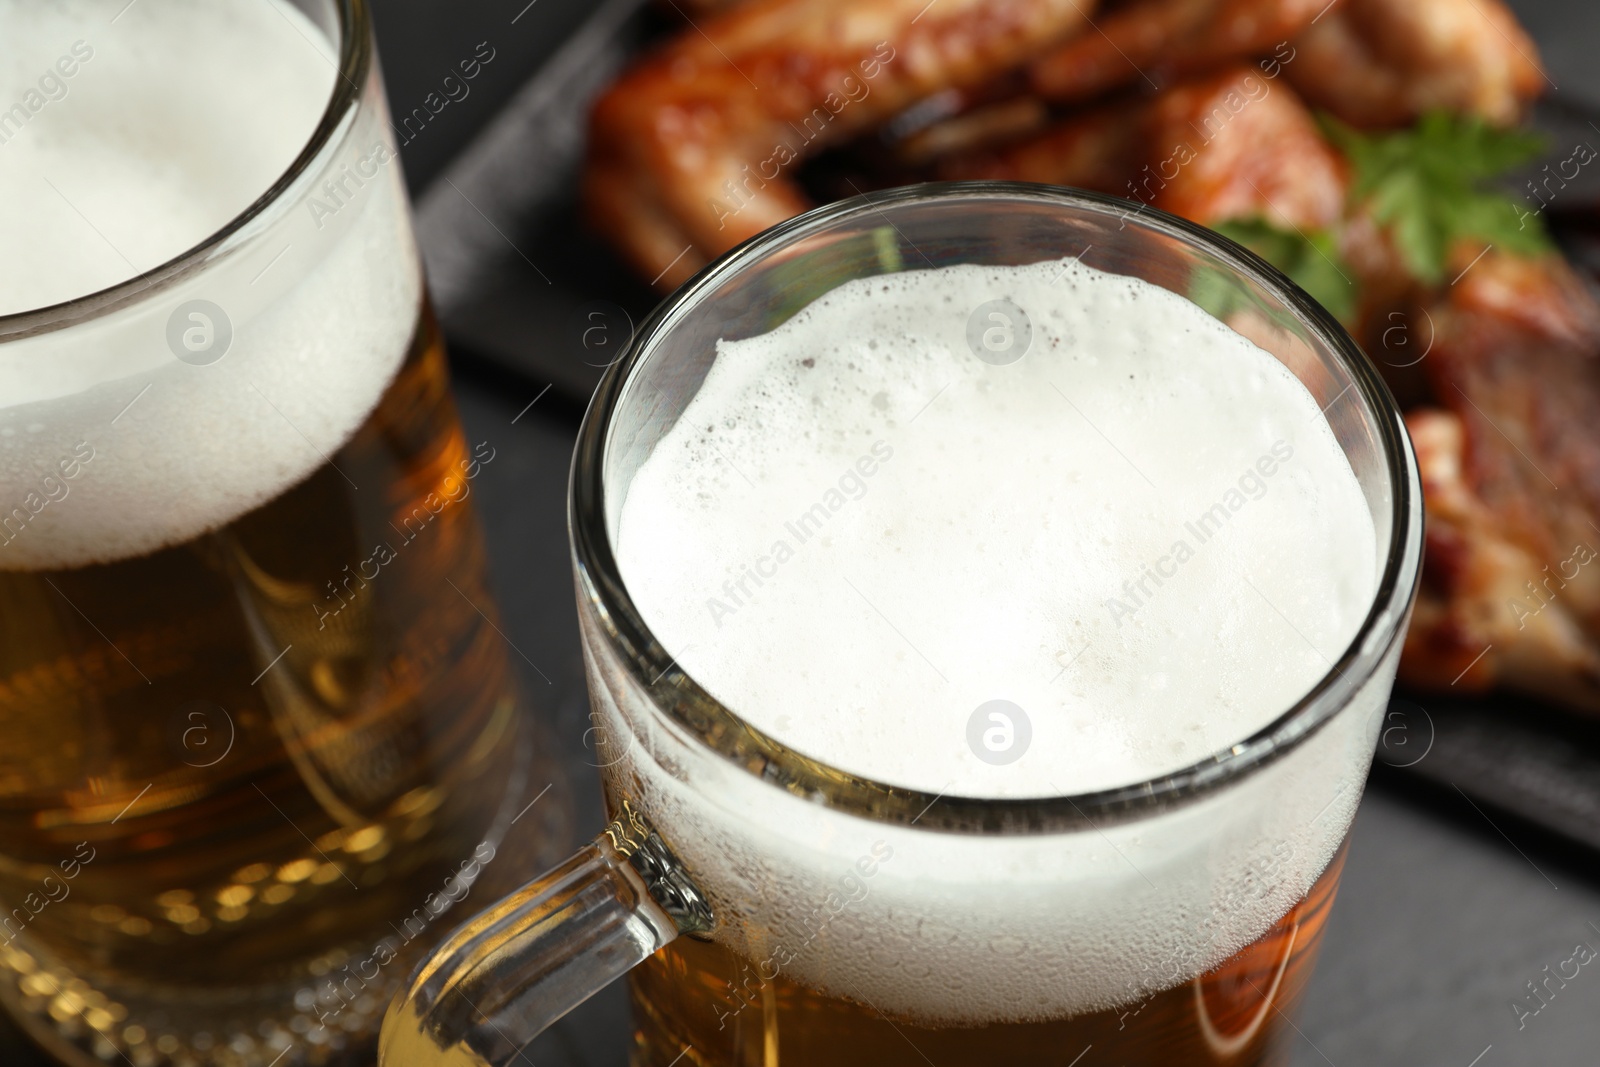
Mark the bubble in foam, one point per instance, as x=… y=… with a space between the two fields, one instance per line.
x=1142 y=530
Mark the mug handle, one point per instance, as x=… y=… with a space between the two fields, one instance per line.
x=508 y=972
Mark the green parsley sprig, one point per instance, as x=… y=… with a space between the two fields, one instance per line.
x=1310 y=259
x=1429 y=186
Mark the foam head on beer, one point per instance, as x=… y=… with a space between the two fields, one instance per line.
x=1141 y=535
x=117 y=142
x=129 y=134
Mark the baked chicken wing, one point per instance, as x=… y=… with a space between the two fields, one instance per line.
x=1380 y=63
x=1153 y=42
x=694 y=149
x=1511 y=484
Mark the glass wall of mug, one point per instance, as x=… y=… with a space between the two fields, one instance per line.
x=260 y=730
x=1167 y=921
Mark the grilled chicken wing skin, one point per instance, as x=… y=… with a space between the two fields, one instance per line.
x=693 y=150
x=1511 y=484
x=1234 y=144
x=1154 y=42
x=1378 y=63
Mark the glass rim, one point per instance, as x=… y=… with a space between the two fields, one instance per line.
x=674 y=695
x=354 y=65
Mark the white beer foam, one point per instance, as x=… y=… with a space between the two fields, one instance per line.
x=977 y=564
x=937 y=532
x=174 y=119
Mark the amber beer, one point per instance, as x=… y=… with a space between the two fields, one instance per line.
x=732 y=1012
x=183 y=807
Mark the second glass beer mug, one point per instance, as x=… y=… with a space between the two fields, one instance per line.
x=769 y=906
x=260 y=730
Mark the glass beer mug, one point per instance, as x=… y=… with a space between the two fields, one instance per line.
x=764 y=904
x=260 y=731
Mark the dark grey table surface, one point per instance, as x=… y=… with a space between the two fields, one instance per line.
x=1445 y=911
